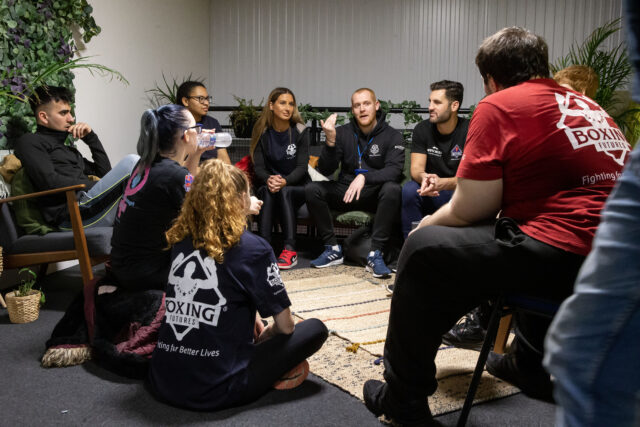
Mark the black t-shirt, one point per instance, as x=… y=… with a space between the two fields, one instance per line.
x=209 y=122
x=443 y=151
x=205 y=341
x=151 y=200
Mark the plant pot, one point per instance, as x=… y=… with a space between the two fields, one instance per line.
x=242 y=128
x=23 y=309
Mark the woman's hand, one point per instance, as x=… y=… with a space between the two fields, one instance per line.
x=255 y=206
x=275 y=183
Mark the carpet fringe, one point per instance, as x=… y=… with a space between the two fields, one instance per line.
x=61 y=357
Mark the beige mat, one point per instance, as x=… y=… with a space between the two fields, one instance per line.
x=355 y=308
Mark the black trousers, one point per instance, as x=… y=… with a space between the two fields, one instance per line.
x=278 y=355
x=282 y=205
x=444 y=272
x=383 y=200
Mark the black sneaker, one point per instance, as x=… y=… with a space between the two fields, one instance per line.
x=379 y=401
x=532 y=379
x=468 y=334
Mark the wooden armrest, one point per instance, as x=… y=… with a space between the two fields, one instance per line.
x=43 y=193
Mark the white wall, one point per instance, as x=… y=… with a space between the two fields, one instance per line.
x=323 y=50
x=141 y=39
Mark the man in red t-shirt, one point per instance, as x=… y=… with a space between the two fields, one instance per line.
x=541 y=157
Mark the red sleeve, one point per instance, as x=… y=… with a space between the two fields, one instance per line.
x=484 y=149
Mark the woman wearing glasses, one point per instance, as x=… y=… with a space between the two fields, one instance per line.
x=195 y=97
x=153 y=196
x=280 y=153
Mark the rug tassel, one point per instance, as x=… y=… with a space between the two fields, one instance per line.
x=353 y=348
x=62 y=357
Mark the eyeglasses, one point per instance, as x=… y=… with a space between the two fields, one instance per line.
x=197 y=128
x=202 y=99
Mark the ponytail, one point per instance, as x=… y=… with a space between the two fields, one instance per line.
x=159 y=131
x=148 y=141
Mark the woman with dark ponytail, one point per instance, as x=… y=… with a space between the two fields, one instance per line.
x=169 y=157
x=280 y=152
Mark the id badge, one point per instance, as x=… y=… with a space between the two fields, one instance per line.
x=358 y=171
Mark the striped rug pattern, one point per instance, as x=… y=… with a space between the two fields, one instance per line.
x=355 y=308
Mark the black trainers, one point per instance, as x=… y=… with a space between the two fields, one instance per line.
x=532 y=379
x=468 y=333
x=378 y=400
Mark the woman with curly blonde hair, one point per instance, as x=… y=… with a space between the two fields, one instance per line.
x=212 y=350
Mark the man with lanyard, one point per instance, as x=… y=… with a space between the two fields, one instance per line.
x=370 y=154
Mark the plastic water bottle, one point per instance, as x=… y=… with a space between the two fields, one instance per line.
x=220 y=140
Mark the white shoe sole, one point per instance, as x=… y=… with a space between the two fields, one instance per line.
x=287 y=267
x=329 y=264
x=377 y=276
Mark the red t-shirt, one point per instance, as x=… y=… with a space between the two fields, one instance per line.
x=558 y=154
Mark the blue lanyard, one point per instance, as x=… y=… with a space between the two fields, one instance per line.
x=361 y=153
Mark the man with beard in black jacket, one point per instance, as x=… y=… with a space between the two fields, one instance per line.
x=370 y=154
x=51 y=160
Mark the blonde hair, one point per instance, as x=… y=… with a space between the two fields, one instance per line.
x=265 y=120
x=581 y=78
x=213 y=211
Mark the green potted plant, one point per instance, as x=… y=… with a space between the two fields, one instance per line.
x=24 y=303
x=614 y=72
x=244 y=116
x=166 y=93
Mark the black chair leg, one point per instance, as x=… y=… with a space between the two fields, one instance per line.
x=490 y=337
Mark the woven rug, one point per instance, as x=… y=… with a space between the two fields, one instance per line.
x=355 y=308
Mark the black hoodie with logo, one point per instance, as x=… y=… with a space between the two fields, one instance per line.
x=382 y=153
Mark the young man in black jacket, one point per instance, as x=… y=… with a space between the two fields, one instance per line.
x=50 y=163
x=370 y=154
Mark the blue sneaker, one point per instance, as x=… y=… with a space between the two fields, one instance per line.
x=376 y=265
x=332 y=255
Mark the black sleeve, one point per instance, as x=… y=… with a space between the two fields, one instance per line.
x=101 y=164
x=259 y=275
x=393 y=162
x=259 y=166
x=302 y=159
x=419 y=139
x=330 y=156
x=39 y=167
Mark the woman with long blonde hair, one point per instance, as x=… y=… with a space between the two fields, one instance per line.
x=212 y=350
x=280 y=153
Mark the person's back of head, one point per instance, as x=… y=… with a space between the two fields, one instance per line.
x=580 y=78
x=159 y=130
x=454 y=91
x=513 y=55
x=213 y=211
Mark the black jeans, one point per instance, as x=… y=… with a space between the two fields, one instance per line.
x=286 y=203
x=444 y=272
x=383 y=200
x=278 y=355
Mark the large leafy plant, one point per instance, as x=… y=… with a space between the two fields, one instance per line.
x=37 y=47
x=614 y=72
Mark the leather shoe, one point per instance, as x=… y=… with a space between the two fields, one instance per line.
x=531 y=378
x=380 y=401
